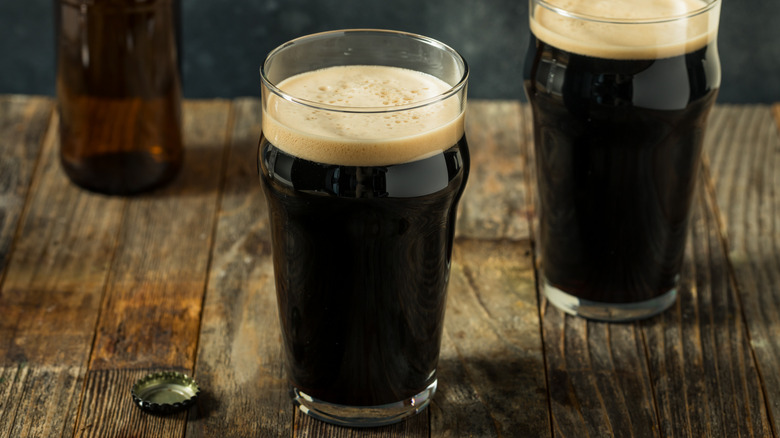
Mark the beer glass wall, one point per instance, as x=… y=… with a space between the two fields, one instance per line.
x=363 y=159
x=620 y=92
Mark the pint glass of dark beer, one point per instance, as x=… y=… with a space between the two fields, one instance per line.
x=362 y=160
x=620 y=92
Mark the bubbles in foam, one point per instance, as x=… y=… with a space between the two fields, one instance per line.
x=660 y=39
x=354 y=138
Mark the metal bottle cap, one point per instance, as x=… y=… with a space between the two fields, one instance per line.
x=165 y=392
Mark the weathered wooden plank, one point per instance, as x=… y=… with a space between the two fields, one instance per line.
x=744 y=151
x=598 y=377
x=491 y=370
x=494 y=204
x=492 y=364
x=158 y=277
x=108 y=411
x=694 y=363
x=45 y=401
x=150 y=317
x=11 y=382
x=240 y=356
x=527 y=151
x=704 y=375
x=23 y=124
x=51 y=296
x=52 y=291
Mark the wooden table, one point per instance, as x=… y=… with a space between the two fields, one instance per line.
x=97 y=291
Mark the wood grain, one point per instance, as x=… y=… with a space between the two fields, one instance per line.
x=51 y=294
x=492 y=375
x=11 y=394
x=240 y=357
x=97 y=291
x=52 y=291
x=744 y=151
x=598 y=377
x=23 y=124
x=151 y=314
x=108 y=410
x=495 y=200
x=491 y=369
x=704 y=376
x=42 y=399
x=150 y=317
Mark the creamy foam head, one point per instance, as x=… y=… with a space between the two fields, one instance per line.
x=363 y=138
x=650 y=40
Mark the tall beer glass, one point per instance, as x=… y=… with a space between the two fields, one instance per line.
x=620 y=91
x=363 y=159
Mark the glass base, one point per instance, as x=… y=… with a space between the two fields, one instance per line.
x=609 y=312
x=363 y=416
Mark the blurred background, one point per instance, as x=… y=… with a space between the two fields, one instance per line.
x=225 y=41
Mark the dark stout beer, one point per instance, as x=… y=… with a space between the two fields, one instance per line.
x=362 y=250
x=361 y=256
x=618 y=136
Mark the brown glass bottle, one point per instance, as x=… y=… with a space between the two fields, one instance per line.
x=119 y=93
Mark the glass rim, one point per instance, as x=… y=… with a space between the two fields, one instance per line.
x=636 y=21
x=453 y=90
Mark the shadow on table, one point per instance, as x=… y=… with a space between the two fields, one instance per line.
x=503 y=395
x=204 y=172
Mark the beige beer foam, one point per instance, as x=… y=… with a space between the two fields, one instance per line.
x=363 y=139
x=659 y=39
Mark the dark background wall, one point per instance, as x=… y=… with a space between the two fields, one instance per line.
x=225 y=41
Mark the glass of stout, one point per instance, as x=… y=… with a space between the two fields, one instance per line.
x=620 y=92
x=362 y=160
